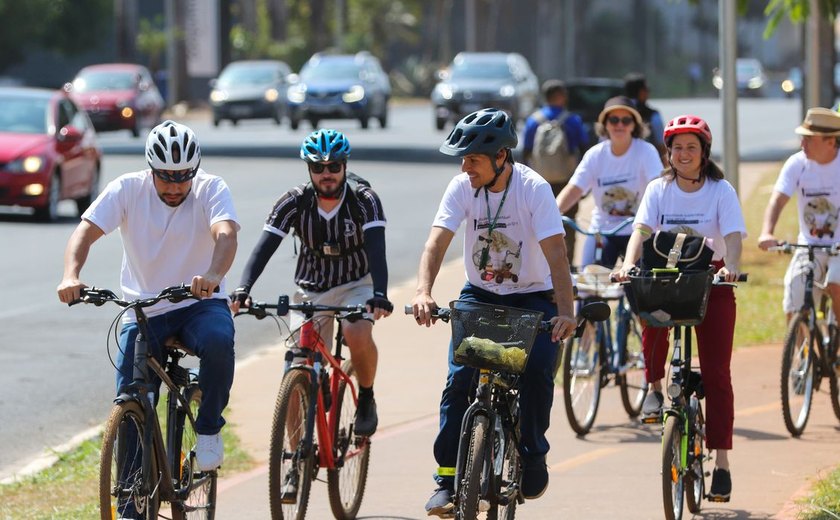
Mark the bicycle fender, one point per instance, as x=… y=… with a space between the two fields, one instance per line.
x=125 y=397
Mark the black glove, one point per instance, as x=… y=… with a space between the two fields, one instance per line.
x=240 y=294
x=380 y=302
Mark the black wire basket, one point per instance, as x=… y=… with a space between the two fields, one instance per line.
x=493 y=337
x=667 y=299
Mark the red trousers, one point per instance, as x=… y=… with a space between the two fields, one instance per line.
x=714 y=344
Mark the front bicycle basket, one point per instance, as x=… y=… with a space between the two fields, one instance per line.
x=494 y=337
x=672 y=298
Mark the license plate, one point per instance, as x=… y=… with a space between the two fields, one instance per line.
x=240 y=111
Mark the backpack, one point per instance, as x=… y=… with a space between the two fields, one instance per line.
x=551 y=156
x=351 y=198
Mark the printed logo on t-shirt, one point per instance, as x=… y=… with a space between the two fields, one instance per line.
x=820 y=215
x=684 y=223
x=349 y=227
x=619 y=201
x=497 y=258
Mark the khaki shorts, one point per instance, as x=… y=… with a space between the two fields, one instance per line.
x=826 y=271
x=351 y=293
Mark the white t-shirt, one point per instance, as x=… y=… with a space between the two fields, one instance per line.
x=162 y=245
x=713 y=211
x=515 y=260
x=617 y=182
x=818 y=189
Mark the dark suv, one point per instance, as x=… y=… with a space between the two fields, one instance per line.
x=340 y=86
x=587 y=97
x=476 y=80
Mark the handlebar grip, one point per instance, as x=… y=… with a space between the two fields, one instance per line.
x=741 y=278
x=408 y=309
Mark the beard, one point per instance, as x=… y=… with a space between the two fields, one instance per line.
x=174 y=203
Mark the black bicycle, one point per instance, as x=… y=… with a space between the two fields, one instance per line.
x=810 y=349
x=139 y=468
x=496 y=341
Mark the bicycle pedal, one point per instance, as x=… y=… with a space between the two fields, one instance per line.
x=718 y=500
x=653 y=419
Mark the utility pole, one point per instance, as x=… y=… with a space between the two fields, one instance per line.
x=728 y=42
x=470 y=28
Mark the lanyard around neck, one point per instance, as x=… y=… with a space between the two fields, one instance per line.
x=491 y=224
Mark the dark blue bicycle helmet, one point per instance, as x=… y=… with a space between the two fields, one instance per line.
x=325 y=145
x=485 y=131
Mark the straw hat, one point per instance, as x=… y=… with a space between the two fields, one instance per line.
x=820 y=121
x=616 y=103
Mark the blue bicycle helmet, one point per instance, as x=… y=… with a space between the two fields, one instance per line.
x=485 y=131
x=325 y=145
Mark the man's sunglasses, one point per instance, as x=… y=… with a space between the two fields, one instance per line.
x=626 y=120
x=333 y=167
x=175 y=176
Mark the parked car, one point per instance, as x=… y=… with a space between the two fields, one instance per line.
x=792 y=84
x=749 y=75
x=586 y=98
x=340 y=86
x=252 y=89
x=48 y=151
x=118 y=96
x=485 y=79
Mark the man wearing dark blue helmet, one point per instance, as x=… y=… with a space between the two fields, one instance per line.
x=341 y=226
x=514 y=255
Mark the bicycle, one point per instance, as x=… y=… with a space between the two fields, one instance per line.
x=599 y=355
x=317 y=397
x=810 y=348
x=670 y=298
x=497 y=341
x=137 y=465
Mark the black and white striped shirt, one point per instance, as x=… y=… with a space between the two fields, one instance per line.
x=316 y=271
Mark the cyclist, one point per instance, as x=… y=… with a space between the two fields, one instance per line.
x=813 y=174
x=177 y=223
x=693 y=197
x=616 y=171
x=636 y=88
x=508 y=207
x=342 y=257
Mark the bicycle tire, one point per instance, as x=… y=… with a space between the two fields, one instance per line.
x=695 y=486
x=288 y=429
x=672 y=481
x=798 y=378
x=469 y=488
x=582 y=379
x=632 y=380
x=200 y=500
x=511 y=477
x=833 y=367
x=346 y=483
x=118 y=453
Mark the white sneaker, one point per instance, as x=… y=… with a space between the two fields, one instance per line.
x=209 y=452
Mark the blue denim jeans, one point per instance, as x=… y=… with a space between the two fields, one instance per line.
x=536 y=388
x=207 y=328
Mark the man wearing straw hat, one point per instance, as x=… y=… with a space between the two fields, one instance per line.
x=814 y=174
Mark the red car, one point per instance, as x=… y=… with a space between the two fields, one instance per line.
x=48 y=151
x=118 y=96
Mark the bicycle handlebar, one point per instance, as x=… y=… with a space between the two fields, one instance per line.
x=99 y=297
x=716 y=280
x=608 y=233
x=260 y=309
x=788 y=248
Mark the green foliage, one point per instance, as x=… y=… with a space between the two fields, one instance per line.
x=151 y=40
x=824 y=502
x=796 y=10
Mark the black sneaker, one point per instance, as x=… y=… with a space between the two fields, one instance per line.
x=534 y=479
x=721 y=485
x=652 y=407
x=366 y=418
x=440 y=503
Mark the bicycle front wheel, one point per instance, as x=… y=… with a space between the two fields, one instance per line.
x=695 y=487
x=797 y=375
x=582 y=379
x=123 y=490
x=672 y=464
x=346 y=483
x=510 y=479
x=290 y=463
x=632 y=380
x=469 y=487
x=198 y=488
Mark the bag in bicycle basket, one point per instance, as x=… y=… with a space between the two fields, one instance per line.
x=678 y=250
x=670 y=299
x=493 y=336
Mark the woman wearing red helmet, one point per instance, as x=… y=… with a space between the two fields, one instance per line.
x=693 y=197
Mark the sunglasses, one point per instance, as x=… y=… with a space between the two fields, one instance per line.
x=333 y=167
x=175 y=176
x=626 y=120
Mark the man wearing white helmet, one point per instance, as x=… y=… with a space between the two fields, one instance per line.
x=178 y=225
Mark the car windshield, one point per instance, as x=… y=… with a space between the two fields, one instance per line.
x=332 y=69
x=748 y=68
x=590 y=99
x=480 y=70
x=248 y=76
x=23 y=115
x=91 y=81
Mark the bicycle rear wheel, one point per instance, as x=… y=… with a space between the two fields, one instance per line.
x=290 y=466
x=834 y=368
x=672 y=463
x=122 y=488
x=469 y=487
x=198 y=486
x=632 y=380
x=695 y=486
x=797 y=382
x=582 y=379
x=346 y=483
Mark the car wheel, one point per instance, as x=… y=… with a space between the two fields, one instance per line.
x=278 y=116
x=383 y=119
x=440 y=122
x=234 y=122
x=294 y=123
x=216 y=121
x=365 y=122
x=83 y=203
x=314 y=122
x=49 y=211
x=135 y=129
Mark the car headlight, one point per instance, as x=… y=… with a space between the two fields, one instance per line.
x=755 y=82
x=787 y=86
x=507 y=91
x=30 y=164
x=355 y=94
x=445 y=91
x=271 y=95
x=218 y=96
x=717 y=81
x=296 y=93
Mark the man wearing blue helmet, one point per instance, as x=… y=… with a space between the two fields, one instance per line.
x=514 y=255
x=341 y=226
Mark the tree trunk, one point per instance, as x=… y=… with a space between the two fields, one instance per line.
x=278 y=11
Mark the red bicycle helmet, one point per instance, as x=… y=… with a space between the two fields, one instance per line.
x=688 y=124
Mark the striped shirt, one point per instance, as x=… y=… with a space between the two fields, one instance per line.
x=315 y=270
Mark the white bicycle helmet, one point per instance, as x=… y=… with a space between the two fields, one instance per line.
x=173 y=147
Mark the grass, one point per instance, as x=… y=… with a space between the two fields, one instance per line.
x=824 y=502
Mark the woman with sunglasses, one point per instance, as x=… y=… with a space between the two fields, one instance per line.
x=616 y=171
x=341 y=226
